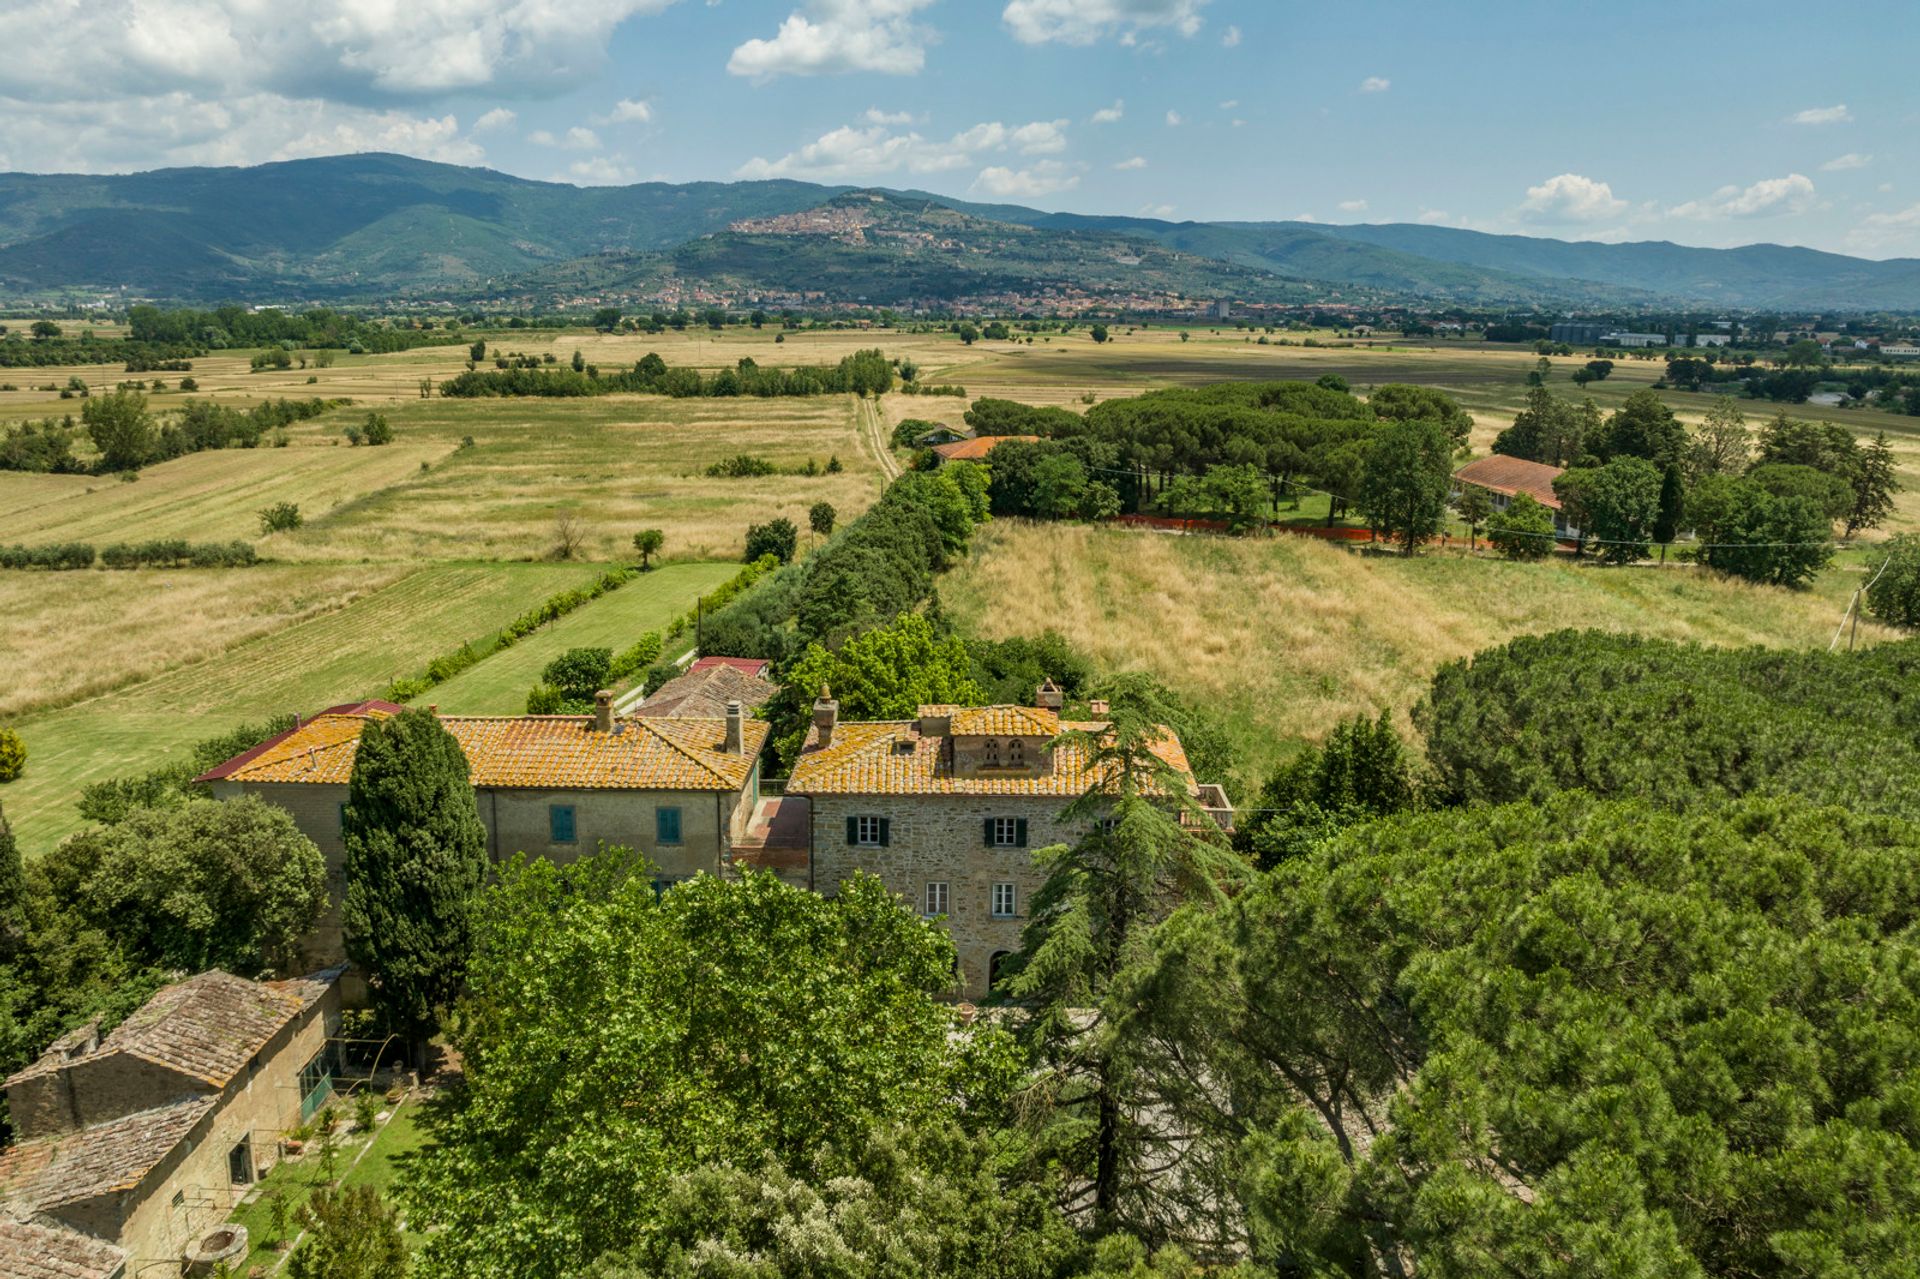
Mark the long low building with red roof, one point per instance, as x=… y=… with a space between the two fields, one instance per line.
x=1504 y=478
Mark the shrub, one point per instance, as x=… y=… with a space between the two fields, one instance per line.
x=13 y=755
x=55 y=556
x=642 y=653
x=281 y=517
x=1894 y=597
x=777 y=537
x=742 y=466
x=376 y=431
x=1524 y=531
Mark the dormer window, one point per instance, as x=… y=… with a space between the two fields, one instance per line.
x=991 y=757
x=1016 y=753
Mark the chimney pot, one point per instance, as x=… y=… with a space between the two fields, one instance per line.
x=1099 y=707
x=603 y=711
x=1049 y=697
x=736 y=729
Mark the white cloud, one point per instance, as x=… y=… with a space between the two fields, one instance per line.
x=1837 y=114
x=362 y=51
x=600 y=171
x=1569 y=197
x=855 y=152
x=1156 y=211
x=498 y=118
x=1352 y=206
x=1109 y=115
x=1174 y=120
x=1432 y=217
x=1375 y=84
x=1851 y=160
x=1230 y=38
x=628 y=111
x=1042 y=137
x=1230 y=104
x=1085 y=21
x=111 y=135
x=1043 y=178
x=1135 y=162
x=1882 y=231
x=574 y=139
x=119 y=84
x=835 y=36
x=876 y=116
x=1765 y=198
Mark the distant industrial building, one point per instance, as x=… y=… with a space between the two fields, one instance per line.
x=1634 y=339
x=1578 y=332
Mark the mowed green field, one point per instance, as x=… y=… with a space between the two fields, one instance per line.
x=498 y=685
x=344 y=655
x=1282 y=637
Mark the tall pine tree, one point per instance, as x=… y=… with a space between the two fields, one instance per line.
x=1873 y=486
x=416 y=856
x=1092 y=918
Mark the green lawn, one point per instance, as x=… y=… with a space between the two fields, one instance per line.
x=295 y=1180
x=344 y=655
x=498 y=685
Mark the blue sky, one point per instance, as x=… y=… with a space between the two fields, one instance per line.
x=1699 y=122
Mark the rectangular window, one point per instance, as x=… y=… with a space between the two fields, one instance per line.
x=869 y=832
x=1003 y=901
x=316 y=1082
x=343 y=816
x=937 y=897
x=560 y=823
x=1006 y=832
x=666 y=825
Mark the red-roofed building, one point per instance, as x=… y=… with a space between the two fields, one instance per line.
x=975 y=449
x=1504 y=478
x=757 y=667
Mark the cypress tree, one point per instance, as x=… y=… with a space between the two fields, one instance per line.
x=1673 y=496
x=416 y=855
x=13 y=920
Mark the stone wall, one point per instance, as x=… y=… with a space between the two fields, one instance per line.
x=942 y=838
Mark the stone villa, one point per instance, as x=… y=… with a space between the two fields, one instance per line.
x=131 y=1147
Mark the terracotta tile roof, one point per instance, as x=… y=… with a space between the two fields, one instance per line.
x=1000 y=721
x=976 y=448
x=755 y=666
x=549 y=752
x=705 y=694
x=889 y=758
x=1511 y=475
x=29 y=1250
x=369 y=707
x=206 y=1028
x=107 y=1158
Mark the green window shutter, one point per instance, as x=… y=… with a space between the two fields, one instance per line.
x=886 y=831
x=1020 y=832
x=853 y=830
x=666 y=825
x=560 y=823
x=986 y=835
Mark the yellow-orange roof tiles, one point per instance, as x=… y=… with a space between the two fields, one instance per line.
x=1005 y=721
x=548 y=752
x=888 y=758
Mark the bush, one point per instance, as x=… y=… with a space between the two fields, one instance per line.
x=777 y=537
x=1894 y=597
x=376 y=431
x=281 y=517
x=642 y=653
x=742 y=466
x=13 y=755
x=55 y=556
x=1524 y=531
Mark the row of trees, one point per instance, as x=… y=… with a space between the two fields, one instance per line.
x=862 y=373
x=127 y=435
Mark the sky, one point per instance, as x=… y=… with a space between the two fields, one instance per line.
x=1699 y=122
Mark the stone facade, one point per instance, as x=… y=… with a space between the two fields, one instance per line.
x=521 y=821
x=942 y=839
x=167 y=1136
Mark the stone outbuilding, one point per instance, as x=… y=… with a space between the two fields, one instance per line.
x=132 y=1145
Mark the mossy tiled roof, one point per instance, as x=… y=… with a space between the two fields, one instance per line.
x=896 y=758
x=546 y=752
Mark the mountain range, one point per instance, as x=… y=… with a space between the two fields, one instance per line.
x=371 y=226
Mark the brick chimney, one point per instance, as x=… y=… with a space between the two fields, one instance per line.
x=736 y=731
x=826 y=714
x=1049 y=697
x=603 y=711
x=1098 y=708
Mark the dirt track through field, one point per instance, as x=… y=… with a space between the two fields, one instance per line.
x=873 y=431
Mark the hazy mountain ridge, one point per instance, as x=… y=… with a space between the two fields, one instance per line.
x=371 y=226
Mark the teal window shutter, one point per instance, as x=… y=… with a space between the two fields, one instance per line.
x=560 y=823
x=666 y=825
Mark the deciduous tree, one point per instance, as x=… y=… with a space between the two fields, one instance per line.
x=1405 y=480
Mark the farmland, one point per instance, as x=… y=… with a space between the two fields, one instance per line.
x=413 y=548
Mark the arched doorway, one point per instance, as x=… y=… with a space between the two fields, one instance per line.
x=996 y=965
